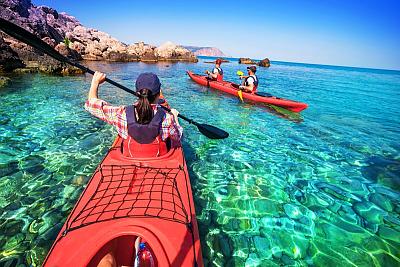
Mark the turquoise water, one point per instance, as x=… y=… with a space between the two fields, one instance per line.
x=321 y=189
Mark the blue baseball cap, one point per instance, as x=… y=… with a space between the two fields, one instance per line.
x=149 y=81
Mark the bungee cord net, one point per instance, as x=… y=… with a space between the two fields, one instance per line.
x=132 y=191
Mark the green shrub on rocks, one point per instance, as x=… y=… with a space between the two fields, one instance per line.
x=67 y=41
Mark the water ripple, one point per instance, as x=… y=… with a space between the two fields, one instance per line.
x=319 y=189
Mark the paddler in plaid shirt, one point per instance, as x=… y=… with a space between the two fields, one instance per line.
x=147 y=130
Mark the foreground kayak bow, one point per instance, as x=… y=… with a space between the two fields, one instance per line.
x=126 y=198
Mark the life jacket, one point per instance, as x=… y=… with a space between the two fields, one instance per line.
x=255 y=83
x=220 y=74
x=144 y=140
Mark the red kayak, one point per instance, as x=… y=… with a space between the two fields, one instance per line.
x=127 y=198
x=232 y=88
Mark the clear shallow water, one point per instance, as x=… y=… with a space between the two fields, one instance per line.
x=323 y=190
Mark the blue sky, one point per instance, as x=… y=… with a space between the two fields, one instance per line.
x=348 y=33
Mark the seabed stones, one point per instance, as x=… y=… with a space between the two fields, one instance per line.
x=389 y=233
x=369 y=212
x=381 y=201
x=286 y=189
x=32 y=164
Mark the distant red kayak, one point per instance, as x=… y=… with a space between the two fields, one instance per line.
x=232 y=88
x=128 y=198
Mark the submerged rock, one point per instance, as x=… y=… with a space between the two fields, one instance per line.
x=235 y=261
x=263 y=247
x=8 y=168
x=264 y=63
x=32 y=164
x=253 y=260
x=225 y=244
x=4 y=81
x=80 y=180
x=14 y=242
x=249 y=61
x=389 y=233
x=369 y=212
x=381 y=201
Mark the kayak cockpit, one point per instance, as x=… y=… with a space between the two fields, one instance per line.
x=118 y=151
x=120 y=251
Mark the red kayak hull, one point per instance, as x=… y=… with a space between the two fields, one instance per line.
x=232 y=88
x=92 y=231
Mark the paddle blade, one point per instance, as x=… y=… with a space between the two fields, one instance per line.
x=212 y=132
x=239 y=73
x=240 y=94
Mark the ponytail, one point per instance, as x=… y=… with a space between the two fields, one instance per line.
x=143 y=108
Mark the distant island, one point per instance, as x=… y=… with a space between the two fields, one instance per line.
x=70 y=38
x=205 y=51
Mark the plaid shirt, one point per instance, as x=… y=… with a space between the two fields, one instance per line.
x=116 y=116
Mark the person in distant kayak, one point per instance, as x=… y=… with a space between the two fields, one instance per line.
x=217 y=74
x=250 y=82
x=147 y=130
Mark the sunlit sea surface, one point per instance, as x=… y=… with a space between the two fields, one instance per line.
x=320 y=189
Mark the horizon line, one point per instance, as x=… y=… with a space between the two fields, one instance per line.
x=316 y=64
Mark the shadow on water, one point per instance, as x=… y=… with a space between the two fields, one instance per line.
x=279 y=112
x=274 y=110
x=17 y=82
x=207 y=219
x=383 y=170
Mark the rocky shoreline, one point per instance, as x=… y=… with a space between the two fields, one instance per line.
x=70 y=38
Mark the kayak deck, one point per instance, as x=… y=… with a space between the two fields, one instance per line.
x=232 y=88
x=128 y=198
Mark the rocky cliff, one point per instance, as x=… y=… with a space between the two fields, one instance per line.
x=68 y=36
